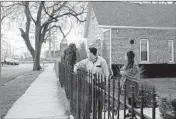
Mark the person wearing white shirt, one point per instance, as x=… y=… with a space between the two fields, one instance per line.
x=95 y=64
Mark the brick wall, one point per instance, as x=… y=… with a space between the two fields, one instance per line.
x=158 y=44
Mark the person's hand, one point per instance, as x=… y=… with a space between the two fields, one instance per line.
x=122 y=73
x=75 y=71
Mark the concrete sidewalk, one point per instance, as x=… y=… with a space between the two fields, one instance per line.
x=41 y=99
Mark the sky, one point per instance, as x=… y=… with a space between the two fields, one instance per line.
x=12 y=35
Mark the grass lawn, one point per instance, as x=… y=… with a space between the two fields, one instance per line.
x=164 y=86
x=16 y=88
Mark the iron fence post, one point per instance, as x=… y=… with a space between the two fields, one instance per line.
x=142 y=101
x=118 y=104
x=132 y=102
x=109 y=98
x=93 y=98
x=78 y=96
x=154 y=104
x=113 y=90
x=105 y=98
x=125 y=93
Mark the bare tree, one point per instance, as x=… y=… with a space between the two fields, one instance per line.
x=8 y=8
x=46 y=17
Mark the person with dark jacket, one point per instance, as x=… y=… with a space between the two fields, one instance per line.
x=130 y=76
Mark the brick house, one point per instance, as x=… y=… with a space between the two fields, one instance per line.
x=147 y=29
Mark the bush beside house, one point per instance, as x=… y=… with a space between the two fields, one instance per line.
x=165 y=107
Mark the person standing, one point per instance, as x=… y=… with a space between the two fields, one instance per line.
x=95 y=64
x=130 y=76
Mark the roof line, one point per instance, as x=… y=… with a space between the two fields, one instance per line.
x=136 y=27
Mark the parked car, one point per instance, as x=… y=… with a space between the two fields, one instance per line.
x=11 y=61
x=16 y=62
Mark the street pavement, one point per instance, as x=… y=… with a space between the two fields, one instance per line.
x=41 y=99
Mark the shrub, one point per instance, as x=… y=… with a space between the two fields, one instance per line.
x=165 y=105
x=141 y=70
x=69 y=55
x=148 y=89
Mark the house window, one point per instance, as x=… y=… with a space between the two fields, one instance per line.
x=171 y=50
x=144 y=50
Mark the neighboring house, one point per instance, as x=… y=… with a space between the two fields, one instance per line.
x=147 y=29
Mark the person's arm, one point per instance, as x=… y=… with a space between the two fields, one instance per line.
x=105 y=68
x=80 y=64
x=132 y=73
x=123 y=68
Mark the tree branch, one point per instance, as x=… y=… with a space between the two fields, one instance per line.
x=69 y=30
x=44 y=32
x=27 y=42
x=51 y=18
x=13 y=4
x=28 y=19
x=7 y=10
x=40 y=12
x=54 y=11
x=73 y=13
x=61 y=31
x=28 y=11
x=25 y=34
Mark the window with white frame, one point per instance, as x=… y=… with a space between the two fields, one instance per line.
x=144 y=50
x=171 y=50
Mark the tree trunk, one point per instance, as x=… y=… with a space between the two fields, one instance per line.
x=36 y=58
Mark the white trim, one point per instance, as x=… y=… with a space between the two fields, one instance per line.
x=144 y=62
x=172 y=41
x=171 y=62
x=147 y=51
x=136 y=27
x=110 y=60
x=104 y=30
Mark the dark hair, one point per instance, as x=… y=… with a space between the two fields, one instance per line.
x=130 y=62
x=93 y=50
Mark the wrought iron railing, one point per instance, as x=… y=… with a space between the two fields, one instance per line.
x=92 y=96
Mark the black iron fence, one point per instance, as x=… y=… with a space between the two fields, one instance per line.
x=93 y=96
